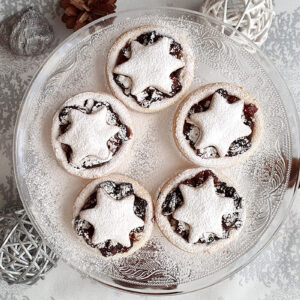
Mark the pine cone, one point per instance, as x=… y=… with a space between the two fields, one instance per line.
x=78 y=13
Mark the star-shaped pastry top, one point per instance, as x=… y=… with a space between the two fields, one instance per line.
x=203 y=209
x=221 y=124
x=88 y=135
x=150 y=66
x=112 y=219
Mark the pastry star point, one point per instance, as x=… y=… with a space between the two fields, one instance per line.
x=221 y=124
x=88 y=135
x=150 y=66
x=203 y=209
x=112 y=219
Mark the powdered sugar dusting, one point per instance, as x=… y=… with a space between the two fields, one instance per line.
x=203 y=199
x=85 y=131
x=154 y=157
x=150 y=66
x=221 y=124
x=112 y=219
x=158 y=75
x=98 y=131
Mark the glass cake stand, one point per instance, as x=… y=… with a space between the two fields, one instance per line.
x=267 y=179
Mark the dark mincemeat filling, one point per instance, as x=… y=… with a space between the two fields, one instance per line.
x=240 y=145
x=175 y=199
x=114 y=143
x=150 y=94
x=118 y=192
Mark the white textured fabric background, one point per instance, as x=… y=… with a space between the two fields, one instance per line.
x=273 y=275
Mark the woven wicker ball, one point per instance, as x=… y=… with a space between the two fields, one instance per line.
x=251 y=17
x=24 y=257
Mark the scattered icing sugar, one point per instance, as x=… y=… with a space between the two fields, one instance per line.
x=208 y=152
x=125 y=81
x=153 y=159
x=194 y=134
x=127 y=53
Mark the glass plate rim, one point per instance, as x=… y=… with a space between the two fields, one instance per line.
x=106 y=279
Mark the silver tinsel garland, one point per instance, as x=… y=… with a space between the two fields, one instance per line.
x=24 y=256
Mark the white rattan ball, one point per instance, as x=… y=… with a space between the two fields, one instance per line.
x=24 y=257
x=253 y=18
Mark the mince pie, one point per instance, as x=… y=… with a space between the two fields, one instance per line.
x=217 y=125
x=150 y=68
x=199 y=210
x=113 y=216
x=91 y=134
